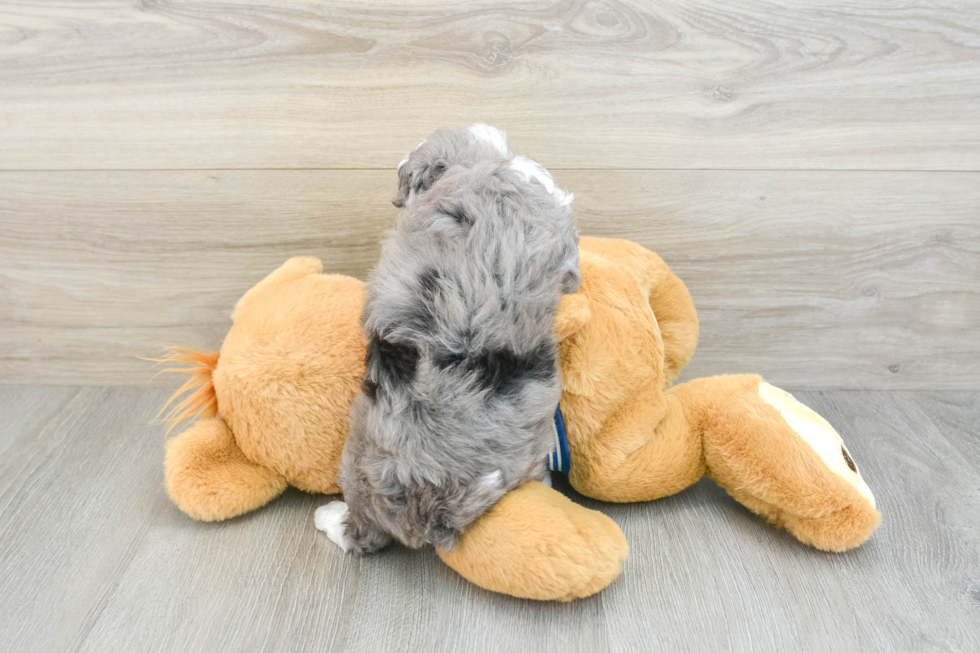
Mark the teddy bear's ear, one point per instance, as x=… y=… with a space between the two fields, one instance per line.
x=295 y=268
x=573 y=313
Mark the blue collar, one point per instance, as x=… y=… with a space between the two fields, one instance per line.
x=560 y=460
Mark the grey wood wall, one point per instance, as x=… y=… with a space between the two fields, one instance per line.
x=811 y=170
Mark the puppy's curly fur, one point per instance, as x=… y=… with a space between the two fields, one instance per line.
x=462 y=379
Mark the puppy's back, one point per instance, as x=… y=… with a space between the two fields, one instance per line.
x=462 y=380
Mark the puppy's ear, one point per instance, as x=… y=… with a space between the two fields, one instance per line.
x=416 y=177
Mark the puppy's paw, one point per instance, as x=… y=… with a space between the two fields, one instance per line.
x=330 y=519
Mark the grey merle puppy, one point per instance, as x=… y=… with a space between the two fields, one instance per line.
x=462 y=381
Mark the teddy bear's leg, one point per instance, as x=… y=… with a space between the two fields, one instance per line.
x=770 y=452
x=209 y=477
x=537 y=544
x=781 y=460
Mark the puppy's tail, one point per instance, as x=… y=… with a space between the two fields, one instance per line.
x=199 y=364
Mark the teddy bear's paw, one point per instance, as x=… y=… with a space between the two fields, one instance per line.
x=819 y=435
x=330 y=519
x=535 y=543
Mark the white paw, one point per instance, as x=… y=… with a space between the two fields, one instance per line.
x=547 y=478
x=330 y=520
x=819 y=434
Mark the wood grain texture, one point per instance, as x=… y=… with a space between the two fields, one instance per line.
x=581 y=83
x=813 y=279
x=93 y=556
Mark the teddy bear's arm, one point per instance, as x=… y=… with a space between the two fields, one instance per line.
x=537 y=544
x=209 y=477
x=666 y=293
x=573 y=314
x=678 y=320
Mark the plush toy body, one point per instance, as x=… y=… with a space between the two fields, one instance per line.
x=292 y=364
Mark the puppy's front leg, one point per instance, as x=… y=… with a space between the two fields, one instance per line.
x=334 y=519
x=330 y=519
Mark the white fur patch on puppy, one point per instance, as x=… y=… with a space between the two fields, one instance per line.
x=330 y=520
x=491 y=135
x=493 y=479
x=532 y=170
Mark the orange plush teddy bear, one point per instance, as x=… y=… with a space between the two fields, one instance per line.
x=292 y=363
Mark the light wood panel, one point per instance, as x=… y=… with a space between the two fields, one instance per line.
x=583 y=84
x=94 y=557
x=815 y=279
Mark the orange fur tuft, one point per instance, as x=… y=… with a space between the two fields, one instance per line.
x=202 y=402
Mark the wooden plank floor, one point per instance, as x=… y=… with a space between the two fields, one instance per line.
x=93 y=556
